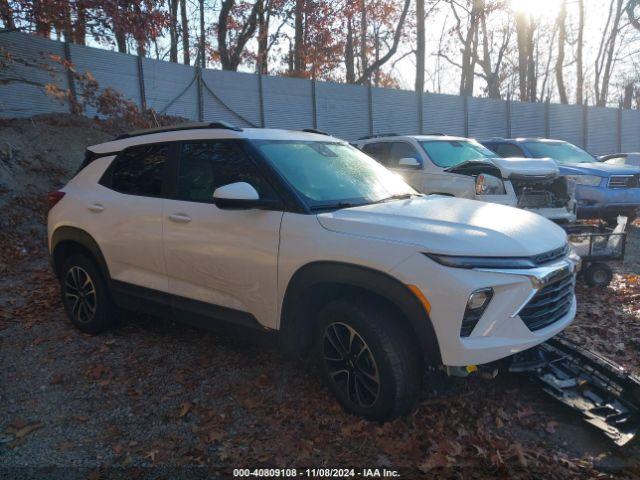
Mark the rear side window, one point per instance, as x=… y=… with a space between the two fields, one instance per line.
x=205 y=166
x=508 y=150
x=379 y=151
x=140 y=170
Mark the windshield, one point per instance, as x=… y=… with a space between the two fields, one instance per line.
x=449 y=153
x=332 y=174
x=561 y=152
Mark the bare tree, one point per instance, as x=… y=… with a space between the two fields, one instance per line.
x=562 y=38
x=173 y=30
x=231 y=55
x=527 y=78
x=186 y=54
x=579 y=55
x=6 y=15
x=363 y=43
x=420 y=45
x=607 y=52
x=469 y=42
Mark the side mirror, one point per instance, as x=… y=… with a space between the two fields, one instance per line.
x=239 y=195
x=409 y=163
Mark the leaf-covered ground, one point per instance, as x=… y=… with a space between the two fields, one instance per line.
x=156 y=398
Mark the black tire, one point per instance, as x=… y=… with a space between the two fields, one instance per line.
x=85 y=295
x=598 y=275
x=379 y=348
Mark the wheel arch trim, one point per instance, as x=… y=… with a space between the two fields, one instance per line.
x=292 y=329
x=77 y=235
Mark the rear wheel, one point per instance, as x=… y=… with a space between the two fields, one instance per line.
x=367 y=359
x=85 y=296
x=598 y=275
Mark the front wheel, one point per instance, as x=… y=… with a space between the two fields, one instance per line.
x=85 y=296
x=367 y=359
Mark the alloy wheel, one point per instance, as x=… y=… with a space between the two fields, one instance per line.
x=80 y=293
x=350 y=364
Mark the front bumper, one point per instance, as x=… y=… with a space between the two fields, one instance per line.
x=500 y=331
x=596 y=202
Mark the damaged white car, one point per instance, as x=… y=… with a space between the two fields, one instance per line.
x=462 y=167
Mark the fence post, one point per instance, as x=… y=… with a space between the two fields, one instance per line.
x=200 y=98
x=585 y=126
x=314 y=112
x=508 y=116
x=419 y=99
x=547 y=118
x=143 y=96
x=70 y=80
x=261 y=101
x=619 y=124
x=465 y=106
x=370 y=107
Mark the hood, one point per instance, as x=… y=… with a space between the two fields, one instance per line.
x=599 y=169
x=452 y=226
x=526 y=167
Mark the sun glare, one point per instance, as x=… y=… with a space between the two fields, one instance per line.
x=537 y=8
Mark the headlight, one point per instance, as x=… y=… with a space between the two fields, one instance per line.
x=489 y=185
x=590 y=180
x=481 y=262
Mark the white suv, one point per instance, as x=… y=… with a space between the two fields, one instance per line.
x=461 y=167
x=303 y=234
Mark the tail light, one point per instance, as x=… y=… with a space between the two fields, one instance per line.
x=54 y=198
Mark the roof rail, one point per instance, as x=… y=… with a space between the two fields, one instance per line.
x=175 y=128
x=436 y=134
x=315 y=130
x=378 y=135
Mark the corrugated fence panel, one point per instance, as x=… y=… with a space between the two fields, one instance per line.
x=394 y=111
x=630 y=131
x=342 y=110
x=487 y=118
x=164 y=81
x=443 y=113
x=287 y=103
x=565 y=123
x=238 y=91
x=527 y=119
x=19 y=99
x=602 y=130
x=110 y=69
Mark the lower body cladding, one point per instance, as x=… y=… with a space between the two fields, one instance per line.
x=525 y=307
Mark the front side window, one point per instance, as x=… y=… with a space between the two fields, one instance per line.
x=449 y=153
x=205 y=166
x=400 y=150
x=561 y=152
x=331 y=174
x=140 y=170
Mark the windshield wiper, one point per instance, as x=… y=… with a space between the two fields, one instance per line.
x=335 y=206
x=399 y=196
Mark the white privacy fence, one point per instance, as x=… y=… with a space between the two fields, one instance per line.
x=347 y=111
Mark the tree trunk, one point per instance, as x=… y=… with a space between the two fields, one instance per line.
x=525 y=28
x=349 y=56
x=629 y=90
x=263 y=38
x=203 y=56
x=363 y=42
x=173 y=31
x=42 y=23
x=6 y=15
x=420 y=46
x=579 y=46
x=299 y=63
x=80 y=26
x=186 y=54
x=606 y=53
x=469 y=50
x=562 y=34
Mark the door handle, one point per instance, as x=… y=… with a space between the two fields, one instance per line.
x=179 y=218
x=95 y=207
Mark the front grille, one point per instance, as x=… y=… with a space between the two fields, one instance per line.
x=549 y=304
x=623 y=181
